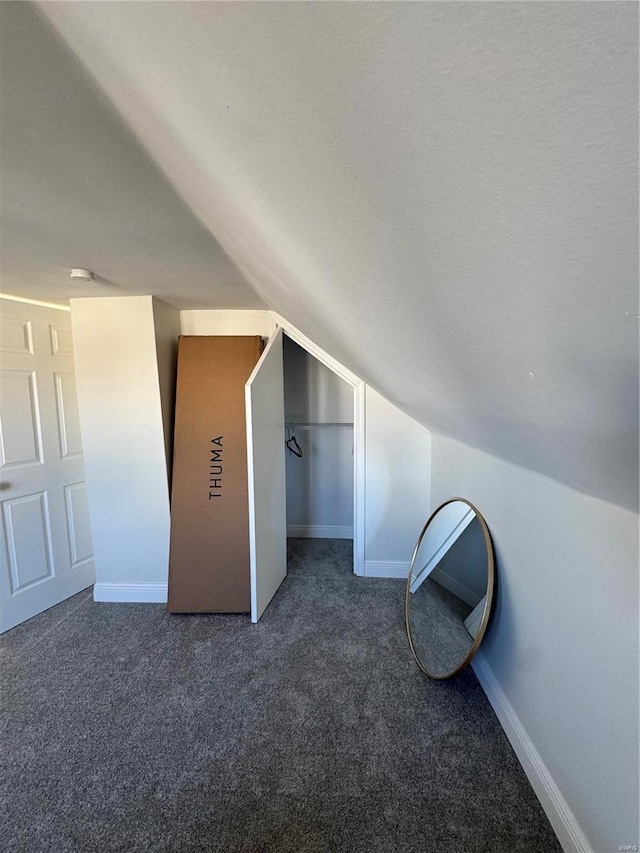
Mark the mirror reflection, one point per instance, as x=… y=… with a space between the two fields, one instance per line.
x=449 y=589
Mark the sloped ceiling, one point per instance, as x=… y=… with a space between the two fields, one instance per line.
x=78 y=190
x=442 y=195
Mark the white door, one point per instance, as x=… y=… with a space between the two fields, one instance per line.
x=46 y=553
x=264 y=393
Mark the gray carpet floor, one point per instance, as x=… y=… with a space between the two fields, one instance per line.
x=125 y=728
x=440 y=638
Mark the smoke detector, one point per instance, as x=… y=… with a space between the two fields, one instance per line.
x=82 y=275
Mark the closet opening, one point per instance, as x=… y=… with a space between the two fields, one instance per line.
x=319 y=459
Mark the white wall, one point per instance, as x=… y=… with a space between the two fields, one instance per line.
x=320 y=484
x=397 y=492
x=563 y=643
x=121 y=420
x=226 y=323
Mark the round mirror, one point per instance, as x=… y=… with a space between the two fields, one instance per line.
x=449 y=589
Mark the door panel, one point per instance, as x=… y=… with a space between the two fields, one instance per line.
x=61 y=341
x=264 y=393
x=46 y=553
x=15 y=335
x=79 y=528
x=28 y=530
x=20 y=426
x=68 y=417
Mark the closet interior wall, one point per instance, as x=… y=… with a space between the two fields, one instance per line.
x=320 y=483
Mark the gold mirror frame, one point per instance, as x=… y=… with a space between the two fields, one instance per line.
x=491 y=573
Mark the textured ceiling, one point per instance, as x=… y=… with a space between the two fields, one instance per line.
x=443 y=195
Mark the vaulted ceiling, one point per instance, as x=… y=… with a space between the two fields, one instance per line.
x=442 y=195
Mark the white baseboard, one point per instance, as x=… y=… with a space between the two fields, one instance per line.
x=319 y=531
x=561 y=818
x=145 y=593
x=454 y=586
x=384 y=569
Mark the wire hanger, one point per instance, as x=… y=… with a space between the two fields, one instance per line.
x=295 y=449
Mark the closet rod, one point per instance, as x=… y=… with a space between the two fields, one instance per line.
x=303 y=426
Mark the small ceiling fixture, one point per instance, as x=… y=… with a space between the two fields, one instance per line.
x=83 y=275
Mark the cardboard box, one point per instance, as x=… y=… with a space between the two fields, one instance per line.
x=209 y=550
